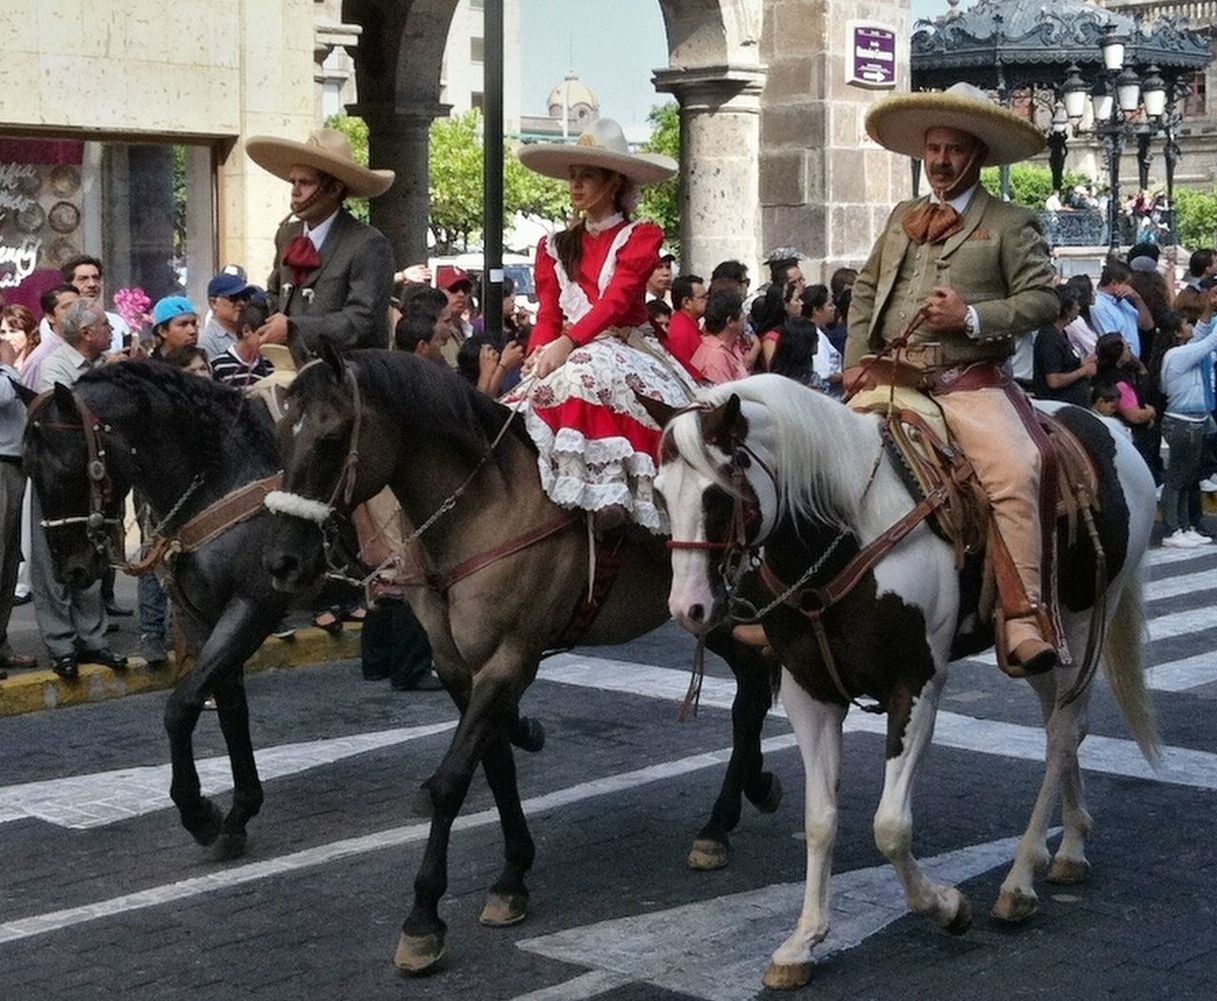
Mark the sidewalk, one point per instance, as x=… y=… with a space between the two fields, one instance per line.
x=34 y=690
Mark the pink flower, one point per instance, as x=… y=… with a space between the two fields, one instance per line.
x=132 y=305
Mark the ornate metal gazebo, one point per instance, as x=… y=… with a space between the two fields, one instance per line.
x=1016 y=48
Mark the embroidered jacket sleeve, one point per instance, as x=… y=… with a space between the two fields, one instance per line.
x=622 y=300
x=549 y=313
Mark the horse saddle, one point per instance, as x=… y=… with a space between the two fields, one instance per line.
x=930 y=460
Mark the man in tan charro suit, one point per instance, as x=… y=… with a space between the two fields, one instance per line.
x=977 y=270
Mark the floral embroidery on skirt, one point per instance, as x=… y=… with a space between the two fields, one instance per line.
x=596 y=444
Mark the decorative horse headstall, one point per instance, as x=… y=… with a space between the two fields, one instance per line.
x=102 y=532
x=298 y=506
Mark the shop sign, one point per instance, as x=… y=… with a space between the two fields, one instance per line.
x=17 y=259
x=872 y=55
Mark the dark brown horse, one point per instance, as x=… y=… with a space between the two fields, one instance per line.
x=469 y=479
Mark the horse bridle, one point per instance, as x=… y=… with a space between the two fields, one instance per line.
x=101 y=531
x=738 y=549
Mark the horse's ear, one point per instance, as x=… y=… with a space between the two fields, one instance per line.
x=659 y=411
x=331 y=356
x=63 y=397
x=732 y=422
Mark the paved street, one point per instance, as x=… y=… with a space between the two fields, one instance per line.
x=103 y=895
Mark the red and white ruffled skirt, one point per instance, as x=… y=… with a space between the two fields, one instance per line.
x=596 y=445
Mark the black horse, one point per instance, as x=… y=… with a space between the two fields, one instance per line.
x=183 y=442
x=508 y=571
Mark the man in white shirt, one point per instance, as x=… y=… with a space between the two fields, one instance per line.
x=84 y=273
x=72 y=622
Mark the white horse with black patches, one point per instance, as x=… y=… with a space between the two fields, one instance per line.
x=770 y=467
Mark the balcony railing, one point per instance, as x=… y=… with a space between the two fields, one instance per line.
x=1088 y=228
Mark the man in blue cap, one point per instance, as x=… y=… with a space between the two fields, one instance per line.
x=226 y=294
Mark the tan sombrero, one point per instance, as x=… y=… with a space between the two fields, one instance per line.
x=602 y=145
x=326 y=150
x=899 y=123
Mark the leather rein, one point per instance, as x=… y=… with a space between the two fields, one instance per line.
x=324 y=514
x=106 y=533
x=810 y=600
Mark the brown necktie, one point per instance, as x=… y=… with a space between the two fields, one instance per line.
x=932 y=222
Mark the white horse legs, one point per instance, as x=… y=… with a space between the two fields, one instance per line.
x=817 y=728
x=894 y=819
x=1065 y=728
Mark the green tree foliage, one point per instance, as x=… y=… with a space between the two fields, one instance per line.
x=661 y=202
x=1196 y=217
x=1030 y=184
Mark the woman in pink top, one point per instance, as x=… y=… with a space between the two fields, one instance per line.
x=779 y=303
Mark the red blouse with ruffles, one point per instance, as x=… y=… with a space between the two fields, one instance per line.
x=621 y=305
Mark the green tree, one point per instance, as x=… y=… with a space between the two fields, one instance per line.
x=1030 y=184
x=1196 y=217
x=356 y=131
x=661 y=202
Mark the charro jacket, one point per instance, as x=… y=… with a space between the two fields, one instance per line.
x=346 y=299
x=998 y=263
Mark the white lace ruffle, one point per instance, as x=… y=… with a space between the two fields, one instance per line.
x=595 y=473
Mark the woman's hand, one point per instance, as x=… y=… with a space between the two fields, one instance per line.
x=552 y=356
x=512 y=356
x=488 y=360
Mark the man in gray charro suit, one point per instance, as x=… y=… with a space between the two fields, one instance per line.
x=332 y=274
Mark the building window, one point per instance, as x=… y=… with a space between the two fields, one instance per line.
x=477 y=4
x=477 y=101
x=477 y=50
x=146 y=210
x=1195 y=105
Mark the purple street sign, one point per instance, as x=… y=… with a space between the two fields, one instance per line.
x=872 y=55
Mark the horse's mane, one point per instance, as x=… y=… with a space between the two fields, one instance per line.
x=434 y=398
x=209 y=415
x=821 y=472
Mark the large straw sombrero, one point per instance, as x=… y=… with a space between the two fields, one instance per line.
x=602 y=145
x=326 y=150
x=899 y=123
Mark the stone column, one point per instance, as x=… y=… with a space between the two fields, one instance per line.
x=400 y=141
x=720 y=145
x=824 y=186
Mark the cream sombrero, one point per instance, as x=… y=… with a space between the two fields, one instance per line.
x=602 y=145
x=325 y=150
x=899 y=123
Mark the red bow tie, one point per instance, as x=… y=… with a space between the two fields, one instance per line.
x=302 y=257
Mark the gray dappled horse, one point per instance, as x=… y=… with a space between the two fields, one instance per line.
x=815 y=485
x=462 y=470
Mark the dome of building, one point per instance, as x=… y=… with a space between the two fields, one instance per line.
x=576 y=96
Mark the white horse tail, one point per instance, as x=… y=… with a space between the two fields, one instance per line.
x=1125 y=669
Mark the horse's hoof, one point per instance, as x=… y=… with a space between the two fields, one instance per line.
x=707 y=855
x=206 y=832
x=421 y=806
x=1015 y=906
x=229 y=845
x=1069 y=871
x=962 y=920
x=772 y=799
x=502 y=910
x=786 y=976
x=530 y=735
x=418 y=953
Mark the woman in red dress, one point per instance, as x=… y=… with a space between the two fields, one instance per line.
x=593 y=346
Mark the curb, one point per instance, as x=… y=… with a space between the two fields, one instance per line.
x=33 y=691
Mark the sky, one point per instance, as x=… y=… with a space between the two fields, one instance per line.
x=613 y=45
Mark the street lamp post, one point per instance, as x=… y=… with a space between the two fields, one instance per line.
x=1118 y=98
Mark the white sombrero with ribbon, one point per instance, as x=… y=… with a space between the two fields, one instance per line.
x=899 y=123
x=326 y=150
x=602 y=145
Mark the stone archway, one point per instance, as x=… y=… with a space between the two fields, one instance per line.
x=773 y=145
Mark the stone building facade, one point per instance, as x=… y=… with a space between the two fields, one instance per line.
x=144 y=166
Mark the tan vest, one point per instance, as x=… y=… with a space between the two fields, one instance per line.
x=915 y=280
